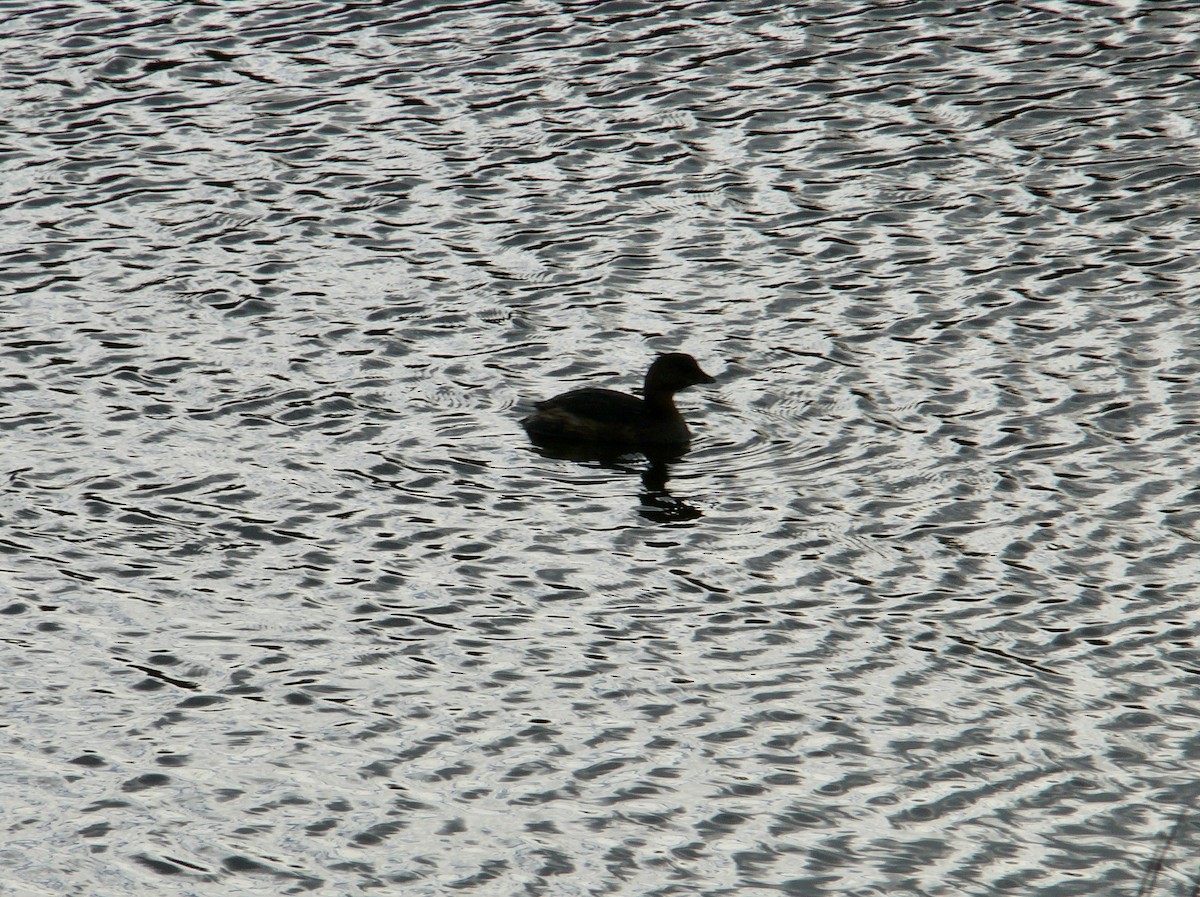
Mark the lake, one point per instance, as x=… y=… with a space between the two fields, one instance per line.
x=291 y=605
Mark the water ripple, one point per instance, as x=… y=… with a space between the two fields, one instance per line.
x=290 y=603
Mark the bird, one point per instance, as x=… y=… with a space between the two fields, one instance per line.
x=605 y=416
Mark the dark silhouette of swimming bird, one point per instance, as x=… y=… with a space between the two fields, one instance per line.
x=604 y=416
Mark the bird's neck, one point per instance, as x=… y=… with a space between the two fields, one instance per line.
x=659 y=399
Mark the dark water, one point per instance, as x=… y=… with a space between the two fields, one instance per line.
x=291 y=605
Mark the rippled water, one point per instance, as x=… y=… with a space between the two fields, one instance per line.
x=290 y=603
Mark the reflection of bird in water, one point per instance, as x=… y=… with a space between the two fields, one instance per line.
x=604 y=426
x=657 y=503
x=614 y=418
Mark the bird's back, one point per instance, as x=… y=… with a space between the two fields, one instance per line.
x=603 y=415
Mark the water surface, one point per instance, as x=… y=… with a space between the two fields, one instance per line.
x=291 y=605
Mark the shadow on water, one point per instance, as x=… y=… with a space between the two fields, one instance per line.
x=1157 y=863
x=652 y=463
